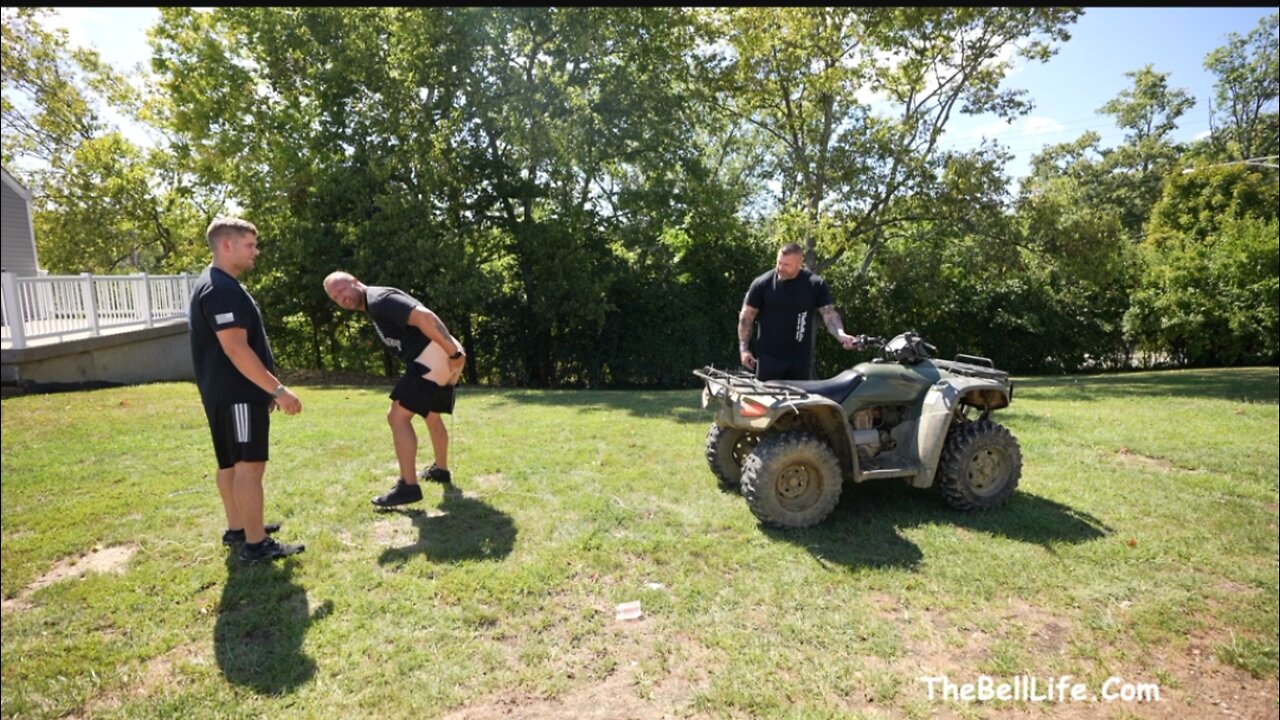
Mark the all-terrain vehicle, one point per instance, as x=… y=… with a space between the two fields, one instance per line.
x=788 y=446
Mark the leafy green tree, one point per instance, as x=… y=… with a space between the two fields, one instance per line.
x=1080 y=214
x=1124 y=181
x=344 y=163
x=850 y=171
x=1214 y=304
x=103 y=203
x=1208 y=294
x=506 y=165
x=48 y=108
x=1133 y=173
x=1248 y=86
x=1195 y=205
x=584 y=126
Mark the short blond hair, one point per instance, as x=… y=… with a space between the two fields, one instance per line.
x=221 y=227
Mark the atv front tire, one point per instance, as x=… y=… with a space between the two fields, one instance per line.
x=980 y=467
x=727 y=448
x=792 y=480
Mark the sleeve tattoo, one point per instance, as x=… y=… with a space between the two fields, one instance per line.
x=832 y=320
x=745 y=319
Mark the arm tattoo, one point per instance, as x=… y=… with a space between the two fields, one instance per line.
x=832 y=319
x=745 y=320
x=444 y=332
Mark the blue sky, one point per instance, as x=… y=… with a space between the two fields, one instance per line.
x=1088 y=70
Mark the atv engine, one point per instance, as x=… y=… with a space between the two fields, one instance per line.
x=872 y=426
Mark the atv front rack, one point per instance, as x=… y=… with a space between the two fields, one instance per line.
x=974 y=366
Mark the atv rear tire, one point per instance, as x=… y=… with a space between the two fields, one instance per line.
x=727 y=448
x=792 y=480
x=980 y=467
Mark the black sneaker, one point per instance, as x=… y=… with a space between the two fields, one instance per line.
x=402 y=494
x=236 y=537
x=268 y=549
x=435 y=474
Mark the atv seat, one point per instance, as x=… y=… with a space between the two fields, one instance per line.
x=835 y=389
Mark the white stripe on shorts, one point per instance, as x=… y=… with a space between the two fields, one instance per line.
x=241 y=413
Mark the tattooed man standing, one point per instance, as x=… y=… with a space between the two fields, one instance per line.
x=784 y=300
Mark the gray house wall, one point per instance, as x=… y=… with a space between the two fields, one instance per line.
x=17 y=235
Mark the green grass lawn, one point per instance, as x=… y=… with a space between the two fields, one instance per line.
x=1142 y=544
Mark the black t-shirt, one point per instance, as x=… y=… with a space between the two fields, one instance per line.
x=786 y=312
x=389 y=310
x=219 y=302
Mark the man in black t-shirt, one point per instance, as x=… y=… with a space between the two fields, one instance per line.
x=783 y=300
x=408 y=327
x=235 y=372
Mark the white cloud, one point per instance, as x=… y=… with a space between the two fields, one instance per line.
x=993 y=129
x=75 y=20
x=1037 y=125
x=118 y=34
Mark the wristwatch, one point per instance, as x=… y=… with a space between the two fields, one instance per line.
x=280 y=389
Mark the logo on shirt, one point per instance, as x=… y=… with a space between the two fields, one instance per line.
x=389 y=342
x=802 y=320
x=224 y=318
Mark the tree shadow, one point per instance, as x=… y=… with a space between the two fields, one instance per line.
x=863 y=532
x=682 y=406
x=467 y=529
x=1254 y=384
x=262 y=618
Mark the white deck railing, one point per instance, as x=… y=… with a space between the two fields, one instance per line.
x=60 y=305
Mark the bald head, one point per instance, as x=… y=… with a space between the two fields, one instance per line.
x=344 y=289
x=336 y=278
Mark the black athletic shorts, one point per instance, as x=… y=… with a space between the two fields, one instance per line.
x=241 y=432
x=419 y=395
x=781 y=368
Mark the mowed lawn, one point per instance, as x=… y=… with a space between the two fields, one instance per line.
x=1141 y=548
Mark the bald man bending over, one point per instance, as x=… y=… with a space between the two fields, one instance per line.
x=409 y=328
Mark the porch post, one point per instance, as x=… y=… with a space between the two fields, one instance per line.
x=13 y=311
x=90 y=296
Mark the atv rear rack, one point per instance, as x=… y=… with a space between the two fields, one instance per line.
x=744 y=383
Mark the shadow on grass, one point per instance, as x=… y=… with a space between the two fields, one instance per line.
x=469 y=529
x=1255 y=384
x=864 y=529
x=682 y=406
x=262 y=618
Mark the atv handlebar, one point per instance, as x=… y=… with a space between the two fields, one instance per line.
x=862 y=342
x=907 y=347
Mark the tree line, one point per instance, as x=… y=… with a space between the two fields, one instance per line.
x=584 y=194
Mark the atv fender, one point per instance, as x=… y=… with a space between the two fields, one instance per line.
x=836 y=428
x=938 y=412
x=826 y=413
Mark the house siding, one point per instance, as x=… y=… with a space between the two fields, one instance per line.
x=17 y=245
